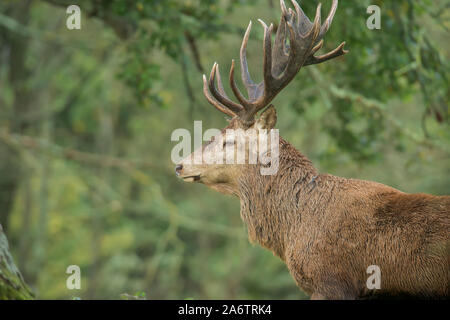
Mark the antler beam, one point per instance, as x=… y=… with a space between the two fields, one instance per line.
x=280 y=64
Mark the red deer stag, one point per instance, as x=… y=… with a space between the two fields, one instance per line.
x=327 y=229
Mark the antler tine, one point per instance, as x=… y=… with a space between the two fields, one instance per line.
x=213 y=101
x=316 y=24
x=339 y=51
x=303 y=22
x=279 y=52
x=234 y=87
x=219 y=84
x=284 y=11
x=222 y=98
x=326 y=25
x=267 y=56
x=246 y=78
x=253 y=89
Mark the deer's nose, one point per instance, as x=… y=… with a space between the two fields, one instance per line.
x=178 y=169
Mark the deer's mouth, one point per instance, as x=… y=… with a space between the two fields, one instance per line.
x=193 y=178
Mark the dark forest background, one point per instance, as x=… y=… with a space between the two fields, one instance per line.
x=86 y=118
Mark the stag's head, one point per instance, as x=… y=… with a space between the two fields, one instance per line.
x=280 y=65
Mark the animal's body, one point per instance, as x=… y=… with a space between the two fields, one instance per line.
x=327 y=229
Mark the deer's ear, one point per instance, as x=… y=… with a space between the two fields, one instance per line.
x=268 y=119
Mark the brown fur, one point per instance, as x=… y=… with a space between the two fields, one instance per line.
x=329 y=229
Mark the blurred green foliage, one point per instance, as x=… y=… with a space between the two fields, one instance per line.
x=86 y=117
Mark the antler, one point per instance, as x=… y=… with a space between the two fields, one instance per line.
x=280 y=65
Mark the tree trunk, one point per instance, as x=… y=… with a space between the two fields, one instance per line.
x=12 y=285
x=13 y=52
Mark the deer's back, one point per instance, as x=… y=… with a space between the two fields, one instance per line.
x=366 y=223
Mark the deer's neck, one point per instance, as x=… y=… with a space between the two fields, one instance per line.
x=272 y=204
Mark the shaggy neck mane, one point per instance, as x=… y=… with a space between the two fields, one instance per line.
x=267 y=201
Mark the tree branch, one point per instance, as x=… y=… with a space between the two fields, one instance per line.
x=69 y=153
